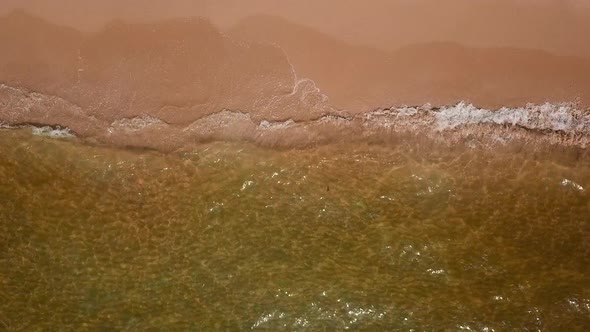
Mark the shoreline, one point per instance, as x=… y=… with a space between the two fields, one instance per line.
x=563 y=124
x=538 y=127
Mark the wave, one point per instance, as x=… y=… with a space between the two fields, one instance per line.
x=52 y=132
x=4 y=125
x=563 y=124
x=46 y=131
x=565 y=118
x=556 y=117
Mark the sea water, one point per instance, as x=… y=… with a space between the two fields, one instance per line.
x=229 y=236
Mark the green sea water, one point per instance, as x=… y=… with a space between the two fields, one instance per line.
x=230 y=237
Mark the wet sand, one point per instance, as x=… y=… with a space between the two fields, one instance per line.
x=168 y=83
x=556 y=26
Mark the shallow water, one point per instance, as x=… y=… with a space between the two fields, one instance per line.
x=233 y=237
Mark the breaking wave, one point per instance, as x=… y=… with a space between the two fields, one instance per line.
x=555 y=117
x=52 y=132
x=562 y=124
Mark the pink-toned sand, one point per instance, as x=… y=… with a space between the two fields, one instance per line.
x=180 y=61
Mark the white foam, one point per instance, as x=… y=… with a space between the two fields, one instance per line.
x=247 y=184
x=53 y=132
x=555 y=117
x=266 y=125
x=137 y=123
x=571 y=184
x=4 y=125
x=466 y=114
x=268 y=317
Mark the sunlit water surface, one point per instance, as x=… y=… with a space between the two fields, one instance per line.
x=233 y=237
